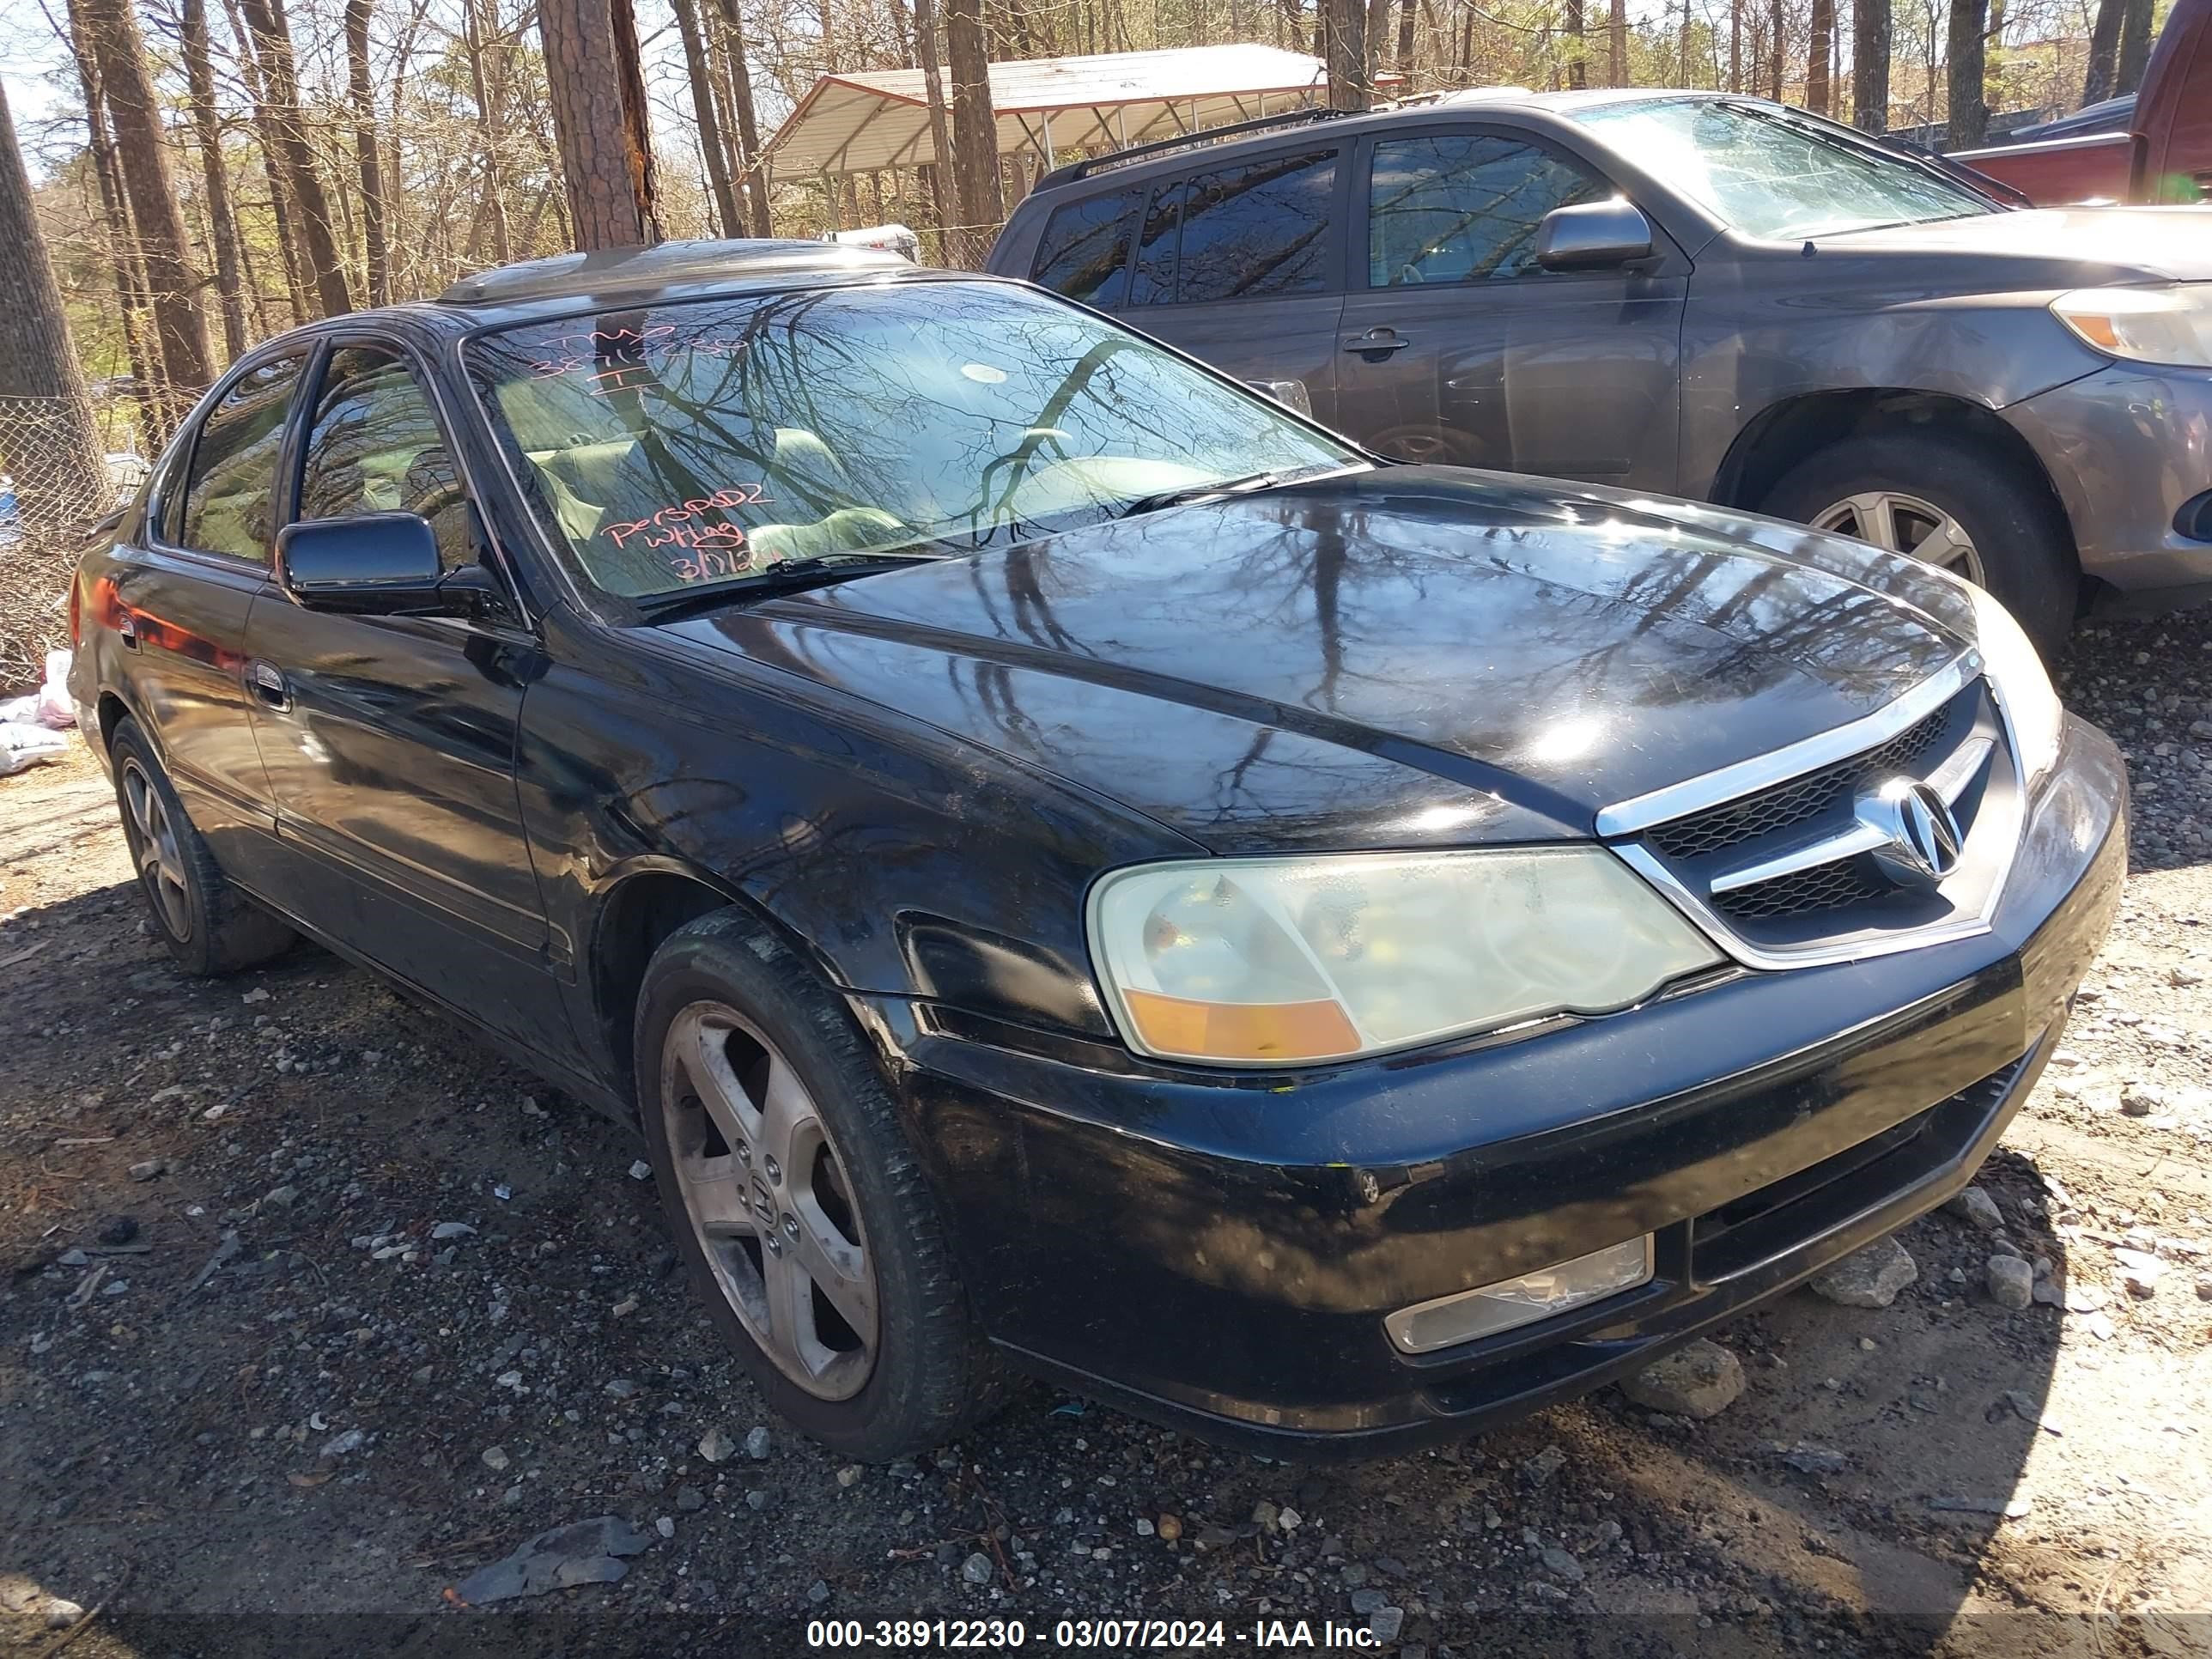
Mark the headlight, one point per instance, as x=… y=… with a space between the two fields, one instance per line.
x=1273 y=962
x=2143 y=325
x=2039 y=721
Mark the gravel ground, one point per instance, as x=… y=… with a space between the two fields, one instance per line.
x=449 y=1320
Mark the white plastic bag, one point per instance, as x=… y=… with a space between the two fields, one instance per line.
x=26 y=745
x=55 y=708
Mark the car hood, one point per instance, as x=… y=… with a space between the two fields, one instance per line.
x=1400 y=657
x=2082 y=245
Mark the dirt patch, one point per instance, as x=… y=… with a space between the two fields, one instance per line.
x=360 y=1310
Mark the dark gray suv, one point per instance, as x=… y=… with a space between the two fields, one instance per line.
x=1695 y=295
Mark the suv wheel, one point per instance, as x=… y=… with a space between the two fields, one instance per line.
x=209 y=927
x=804 y=1217
x=1953 y=502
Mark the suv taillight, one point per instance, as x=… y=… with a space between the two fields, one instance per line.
x=76 y=610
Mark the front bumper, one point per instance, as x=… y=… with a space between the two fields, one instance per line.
x=1217 y=1252
x=2126 y=447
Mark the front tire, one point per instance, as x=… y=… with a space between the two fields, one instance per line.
x=208 y=925
x=797 y=1203
x=1953 y=501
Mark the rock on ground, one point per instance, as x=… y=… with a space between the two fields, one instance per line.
x=1978 y=1206
x=1700 y=1380
x=1870 y=1277
x=2011 y=1281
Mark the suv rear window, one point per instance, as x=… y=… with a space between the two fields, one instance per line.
x=1085 y=252
x=1239 y=233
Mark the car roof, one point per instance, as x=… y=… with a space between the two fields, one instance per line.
x=1145 y=158
x=614 y=279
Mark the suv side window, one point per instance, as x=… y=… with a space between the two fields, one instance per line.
x=1464 y=207
x=375 y=448
x=1239 y=233
x=232 y=481
x=1084 y=251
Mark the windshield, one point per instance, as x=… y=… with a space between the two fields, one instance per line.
x=707 y=440
x=1772 y=175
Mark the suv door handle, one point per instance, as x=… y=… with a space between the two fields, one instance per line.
x=268 y=682
x=126 y=629
x=1375 y=340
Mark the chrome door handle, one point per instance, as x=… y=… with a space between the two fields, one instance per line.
x=269 y=686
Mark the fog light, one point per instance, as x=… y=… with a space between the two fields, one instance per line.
x=1465 y=1315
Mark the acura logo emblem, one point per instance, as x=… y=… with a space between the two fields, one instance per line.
x=1920 y=837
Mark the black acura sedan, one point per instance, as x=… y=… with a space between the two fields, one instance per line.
x=1074 y=868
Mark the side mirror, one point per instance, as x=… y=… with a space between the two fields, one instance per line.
x=1594 y=236
x=379 y=564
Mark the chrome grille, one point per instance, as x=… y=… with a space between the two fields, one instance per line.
x=1824 y=887
x=1798 y=800
x=1782 y=868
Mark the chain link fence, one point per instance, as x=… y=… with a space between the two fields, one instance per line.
x=44 y=524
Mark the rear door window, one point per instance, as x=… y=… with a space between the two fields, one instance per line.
x=1245 y=232
x=232 y=483
x=1464 y=207
x=1085 y=252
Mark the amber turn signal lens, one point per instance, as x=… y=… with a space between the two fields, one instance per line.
x=1244 y=1031
x=2098 y=330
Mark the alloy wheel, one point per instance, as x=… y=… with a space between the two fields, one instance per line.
x=1906 y=524
x=767 y=1195
x=153 y=849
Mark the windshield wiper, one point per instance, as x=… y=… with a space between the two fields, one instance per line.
x=1243 y=486
x=788 y=575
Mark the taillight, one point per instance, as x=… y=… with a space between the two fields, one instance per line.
x=76 y=610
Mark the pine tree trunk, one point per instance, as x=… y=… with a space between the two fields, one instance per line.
x=1774 y=50
x=52 y=447
x=754 y=180
x=1735 y=45
x=1817 y=54
x=131 y=308
x=2135 y=46
x=491 y=113
x=1683 y=48
x=1376 y=32
x=1344 y=41
x=2104 y=51
x=710 y=122
x=1617 y=43
x=597 y=89
x=1870 y=65
x=1404 y=61
x=207 y=129
x=975 y=132
x=1970 y=114
x=184 y=360
x=318 y=247
x=1577 y=63
x=264 y=128
x=940 y=140
x=378 y=259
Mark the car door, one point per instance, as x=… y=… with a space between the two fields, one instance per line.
x=180 y=601
x=390 y=741
x=1458 y=347
x=1241 y=264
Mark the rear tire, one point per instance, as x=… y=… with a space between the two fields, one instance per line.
x=208 y=925
x=798 y=1204
x=2020 y=544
